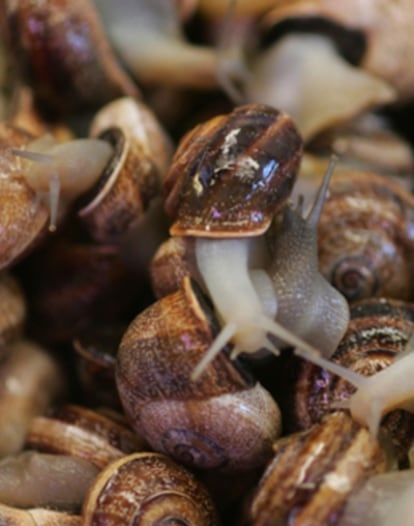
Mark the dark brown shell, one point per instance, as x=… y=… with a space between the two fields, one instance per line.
x=134 y=175
x=233 y=173
x=221 y=420
x=147 y=488
x=365 y=237
x=61 y=51
x=379 y=329
x=313 y=473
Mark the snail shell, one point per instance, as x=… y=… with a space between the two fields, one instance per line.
x=233 y=173
x=23 y=216
x=379 y=329
x=365 y=237
x=222 y=420
x=147 y=488
x=62 y=52
x=313 y=473
x=133 y=178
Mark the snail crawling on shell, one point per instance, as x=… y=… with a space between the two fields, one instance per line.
x=228 y=180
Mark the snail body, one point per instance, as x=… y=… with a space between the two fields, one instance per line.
x=304 y=296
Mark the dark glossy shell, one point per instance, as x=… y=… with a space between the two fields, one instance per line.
x=379 y=329
x=365 y=237
x=223 y=420
x=61 y=51
x=313 y=473
x=233 y=173
x=144 y=489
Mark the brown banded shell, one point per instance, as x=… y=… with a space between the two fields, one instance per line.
x=313 y=473
x=223 y=420
x=379 y=329
x=133 y=177
x=144 y=489
x=233 y=173
x=365 y=237
x=62 y=51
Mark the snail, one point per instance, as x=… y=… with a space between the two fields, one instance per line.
x=386 y=389
x=132 y=180
x=313 y=473
x=149 y=37
x=152 y=489
x=61 y=50
x=304 y=75
x=376 y=35
x=223 y=421
x=229 y=178
x=64 y=171
x=365 y=236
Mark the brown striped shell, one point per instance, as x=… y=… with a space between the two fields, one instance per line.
x=222 y=420
x=134 y=175
x=233 y=173
x=379 y=329
x=365 y=237
x=313 y=473
x=147 y=489
x=62 y=51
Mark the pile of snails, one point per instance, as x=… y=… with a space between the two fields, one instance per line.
x=206 y=278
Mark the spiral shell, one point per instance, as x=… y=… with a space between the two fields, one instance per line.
x=365 y=240
x=147 y=488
